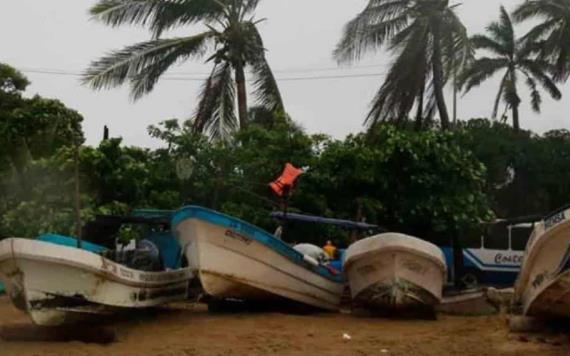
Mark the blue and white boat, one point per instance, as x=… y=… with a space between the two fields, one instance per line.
x=63 y=241
x=236 y=260
x=56 y=283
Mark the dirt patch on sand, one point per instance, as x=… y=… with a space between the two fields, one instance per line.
x=191 y=330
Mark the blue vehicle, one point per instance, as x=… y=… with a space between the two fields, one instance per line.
x=493 y=257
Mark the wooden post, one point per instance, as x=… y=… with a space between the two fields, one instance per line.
x=457 y=260
x=77 y=195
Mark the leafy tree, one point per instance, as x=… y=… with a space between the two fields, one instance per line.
x=234 y=176
x=31 y=128
x=552 y=34
x=421 y=183
x=231 y=42
x=504 y=153
x=516 y=57
x=12 y=85
x=429 y=41
x=12 y=82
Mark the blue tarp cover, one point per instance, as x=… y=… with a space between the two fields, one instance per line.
x=320 y=220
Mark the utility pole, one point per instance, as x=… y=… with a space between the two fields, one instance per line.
x=77 y=193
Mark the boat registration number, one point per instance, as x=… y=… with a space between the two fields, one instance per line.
x=554 y=220
x=237 y=236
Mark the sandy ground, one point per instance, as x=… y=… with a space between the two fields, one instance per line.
x=191 y=330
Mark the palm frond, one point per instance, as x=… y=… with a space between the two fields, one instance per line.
x=404 y=83
x=157 y=15
x=216 y=111
x=142 y=64
x=535 y=98
x=538 y=70
x=400 y=39
x=553 y=32
x=265 y=85
x=371 y=28
x=500 y=94
x=503 y=31
x=479 y=71
x=540 y=8
x=541 y=30
x=489 y=44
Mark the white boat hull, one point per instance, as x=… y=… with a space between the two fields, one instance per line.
x=394 y=271
x=543 y=286
x=58 y=285
x=233 y=265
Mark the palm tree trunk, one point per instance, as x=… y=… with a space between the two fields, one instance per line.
x=419 y=115
x=242 y=96
x=438 y=78
x=454 y=98
x=516 y=123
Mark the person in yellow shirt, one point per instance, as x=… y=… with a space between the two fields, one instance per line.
x=330 y=249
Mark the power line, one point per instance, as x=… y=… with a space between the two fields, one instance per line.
x=196 y=79
x=294 y=70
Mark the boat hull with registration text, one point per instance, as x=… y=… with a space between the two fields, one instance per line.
x=543 y=286
x=236 y=260
x=59 y=285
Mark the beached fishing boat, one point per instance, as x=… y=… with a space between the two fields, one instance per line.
x=64 y=241
x=236 y=260
x=58 y=284
x=543 y=286
x=394 y=271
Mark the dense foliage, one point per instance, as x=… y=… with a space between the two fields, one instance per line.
x=431 y=184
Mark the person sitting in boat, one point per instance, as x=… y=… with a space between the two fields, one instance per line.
x=330 y=250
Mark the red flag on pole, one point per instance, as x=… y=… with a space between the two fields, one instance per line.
x=287 y=179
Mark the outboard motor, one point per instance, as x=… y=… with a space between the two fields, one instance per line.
x=146 y=257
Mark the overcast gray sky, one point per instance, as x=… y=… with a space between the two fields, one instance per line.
x=299 y=35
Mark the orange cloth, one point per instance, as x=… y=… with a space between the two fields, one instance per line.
x=330 y=250
x=286 y=180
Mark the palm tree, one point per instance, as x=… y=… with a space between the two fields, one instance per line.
x=553 y=34
x=429 y=40
x=231 y=42
x=516 y=57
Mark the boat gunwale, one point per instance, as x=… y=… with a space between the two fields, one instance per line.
x=76 y=262
x=352 y=259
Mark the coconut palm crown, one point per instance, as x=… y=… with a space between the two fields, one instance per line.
x=429 y=41
x=518 y=59
x=552 y=34
x=230 y=41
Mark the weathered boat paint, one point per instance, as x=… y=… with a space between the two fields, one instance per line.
x=395 y=271
x=543 y=286
x=57 y=284
x=237 y=260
